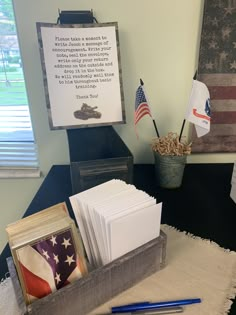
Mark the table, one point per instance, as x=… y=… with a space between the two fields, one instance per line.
x=201 y=206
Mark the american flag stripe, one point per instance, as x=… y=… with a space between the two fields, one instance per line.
x=222 y=135
x=222 y=92
x=35 y=286
x=34 y=262
x=220 y=143
x=226 y=129
x=35 y=270
x=218 y=79
x=142 y=110
x=221 y=139
x=227 y=105
x=223 y=117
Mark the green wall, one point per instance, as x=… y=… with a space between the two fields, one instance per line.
x=159 y=42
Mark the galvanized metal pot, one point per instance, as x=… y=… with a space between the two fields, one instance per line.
x=169 y=170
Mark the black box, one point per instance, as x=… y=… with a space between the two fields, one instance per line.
x=75 y=17
x=97 y=155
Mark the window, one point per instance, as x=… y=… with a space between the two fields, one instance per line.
x=18 y=152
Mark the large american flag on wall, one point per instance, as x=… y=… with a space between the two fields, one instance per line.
x=217 y=69
x=48 y=265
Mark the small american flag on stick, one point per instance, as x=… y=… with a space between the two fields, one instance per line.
x=141 y=106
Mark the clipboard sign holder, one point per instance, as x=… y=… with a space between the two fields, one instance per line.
x=97 y=154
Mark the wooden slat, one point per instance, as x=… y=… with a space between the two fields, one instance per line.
x=223 y=117
x=218 y=79
x=210 y=144
x=226 y=105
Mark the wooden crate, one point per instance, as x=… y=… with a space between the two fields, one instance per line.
x=100 y=285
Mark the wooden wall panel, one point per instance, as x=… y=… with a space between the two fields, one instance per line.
x=217 y=69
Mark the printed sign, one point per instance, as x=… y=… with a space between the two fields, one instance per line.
x=82 y=74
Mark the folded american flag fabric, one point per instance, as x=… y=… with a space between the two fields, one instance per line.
x=48 y=264
x=47 y=251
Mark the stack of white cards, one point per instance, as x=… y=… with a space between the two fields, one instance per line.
x=233 y=184
x=115 y=218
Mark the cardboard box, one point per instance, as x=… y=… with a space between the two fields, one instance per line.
x=100 y=285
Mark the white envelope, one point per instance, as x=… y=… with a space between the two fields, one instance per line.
x=79 y=205
x=107 y=220
x=102 y=205
x=134 y=230
x=119 y=204
x=115 y=218
x=114 y=188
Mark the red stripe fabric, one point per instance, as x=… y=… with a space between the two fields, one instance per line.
x=35 y=285
x=141 y=111
x=223 y=117
x=141 y=114
x=222 y=92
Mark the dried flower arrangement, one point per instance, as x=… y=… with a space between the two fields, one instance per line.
x=170 y=145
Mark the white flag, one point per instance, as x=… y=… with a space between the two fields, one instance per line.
x=199 y=111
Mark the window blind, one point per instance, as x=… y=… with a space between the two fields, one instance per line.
x=17 y=147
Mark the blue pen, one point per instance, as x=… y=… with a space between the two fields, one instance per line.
x=135 y=304
x=152 y=306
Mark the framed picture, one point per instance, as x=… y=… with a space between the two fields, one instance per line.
x=82 y=74
x=47 y=251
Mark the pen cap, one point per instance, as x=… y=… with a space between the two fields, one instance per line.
x=164 y=310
